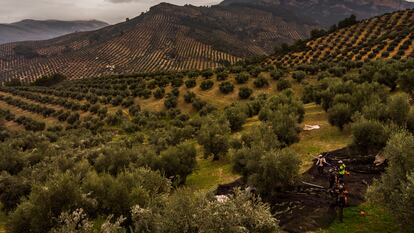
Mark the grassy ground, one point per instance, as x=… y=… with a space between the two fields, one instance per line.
x=377 y=220
x=327 y=138
x=210 y=174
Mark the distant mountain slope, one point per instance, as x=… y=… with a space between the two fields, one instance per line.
x=174 y=38
x=42 y=30
x=168 y=37
x=384 y=37
x=328 y=12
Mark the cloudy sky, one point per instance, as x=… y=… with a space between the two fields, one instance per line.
x=111 y=11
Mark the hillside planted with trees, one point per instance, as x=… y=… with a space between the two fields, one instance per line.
x=138 y=138
x=148 y=152
x=383 y=37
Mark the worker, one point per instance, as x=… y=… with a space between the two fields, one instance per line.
x=341 y=171
x=332 y=178
x=341 y=201
x=320 y=163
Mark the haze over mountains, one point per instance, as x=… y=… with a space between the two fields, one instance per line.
x=41 y=30
x=170 y=37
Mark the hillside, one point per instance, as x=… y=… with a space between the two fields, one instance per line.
x=328 y=12
x=159 y=121
x=387 y=36
x=169 y=37
x=42 y=30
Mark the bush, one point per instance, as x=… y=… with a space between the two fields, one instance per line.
x=159 y=93
x=226 y=87
x=299 y=76
x=395 y=188
x=406 y=82
x=242 y=78
x=277 y=170
x=285 y=127
x=117 y=100
x=190 y=83
x=207 y=73
x=198 y=104
x=277 y=74
x=60 y=193
x=170 y=102
x=189 y=97
x=260 y=82
x=214 y=136
x=398 y=108
x=206 y=85
x=340 y=115
x=73 y=117
x=180 y=214
x=236 y=117
x=369 y=134
x=178 y=162
x=222 y=76
x=113 y=119
x=283 y=84
x=245 y=92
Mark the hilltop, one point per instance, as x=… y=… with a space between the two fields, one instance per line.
x=174 y=38
x=29 y=29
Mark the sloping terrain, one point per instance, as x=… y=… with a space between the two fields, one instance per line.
x=168 y=37
x=174 y=38
x=42 y=30
x=383 y=37
x=326 y=12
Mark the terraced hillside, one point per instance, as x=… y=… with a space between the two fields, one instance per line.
x=166 y=38
x=383 y=37
x=178 y=38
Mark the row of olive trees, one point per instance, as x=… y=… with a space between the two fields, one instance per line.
x=58 y=180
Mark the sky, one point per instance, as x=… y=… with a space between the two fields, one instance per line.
x=110 y=11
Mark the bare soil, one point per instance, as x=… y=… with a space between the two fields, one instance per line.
x=308 y=208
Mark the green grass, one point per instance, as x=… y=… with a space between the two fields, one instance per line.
x=210 y=174
x=327 y=138
x=377 y=220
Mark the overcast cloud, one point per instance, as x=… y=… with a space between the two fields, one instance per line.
x=111 y=11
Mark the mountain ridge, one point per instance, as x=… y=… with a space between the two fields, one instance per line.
x=30 y=29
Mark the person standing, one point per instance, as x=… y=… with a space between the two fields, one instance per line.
x=320 y=163
x=341 y=171
x=341 y=202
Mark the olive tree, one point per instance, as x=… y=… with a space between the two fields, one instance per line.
x=395 y=189
x=214 y=136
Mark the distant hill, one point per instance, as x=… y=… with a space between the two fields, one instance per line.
x=387 y=36
x=327 y=12
x=41 y=30
x=170 y=37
